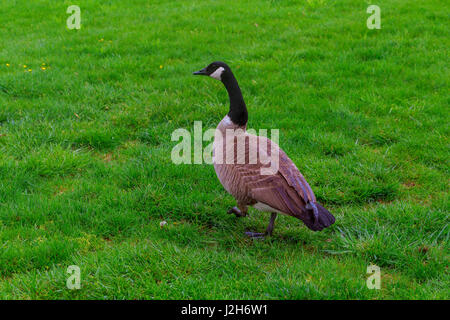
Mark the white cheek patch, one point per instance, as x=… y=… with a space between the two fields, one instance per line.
x=217 y=74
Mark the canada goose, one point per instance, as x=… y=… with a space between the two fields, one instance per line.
x=285 y=191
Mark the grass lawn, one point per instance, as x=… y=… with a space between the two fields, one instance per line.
x=86 y=177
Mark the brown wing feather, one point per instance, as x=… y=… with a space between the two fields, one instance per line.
x=286 y=190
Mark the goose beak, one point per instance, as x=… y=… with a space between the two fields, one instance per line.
x=200 y=72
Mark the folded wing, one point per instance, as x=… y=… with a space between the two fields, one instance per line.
x=286 y=190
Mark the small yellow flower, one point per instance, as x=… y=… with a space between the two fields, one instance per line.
x=24 y=65
x=43 y=68
x=7 y=64
x=160 y=66
x=29 y=70
x=101 y=40
x=43 y=63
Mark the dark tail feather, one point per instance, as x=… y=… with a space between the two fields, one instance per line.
x=324 y=219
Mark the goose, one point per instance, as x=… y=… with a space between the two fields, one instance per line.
x=284 y=191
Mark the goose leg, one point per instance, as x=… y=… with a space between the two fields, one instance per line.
x=268 y=230
x=271 y=223
x=239 y=212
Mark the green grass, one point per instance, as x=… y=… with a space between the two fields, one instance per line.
x=85 y=169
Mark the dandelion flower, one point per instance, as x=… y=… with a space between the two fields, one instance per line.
x=24 y=65
x=29 y=70
x=160 y=66
x=7 y=64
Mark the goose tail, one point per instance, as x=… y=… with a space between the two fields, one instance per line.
x=321 y=217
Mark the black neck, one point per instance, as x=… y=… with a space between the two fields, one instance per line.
x=238 y=110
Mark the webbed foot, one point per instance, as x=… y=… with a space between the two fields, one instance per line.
x=256 y=235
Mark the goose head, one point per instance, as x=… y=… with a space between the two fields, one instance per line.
x=217 y=70
x=222 y=72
